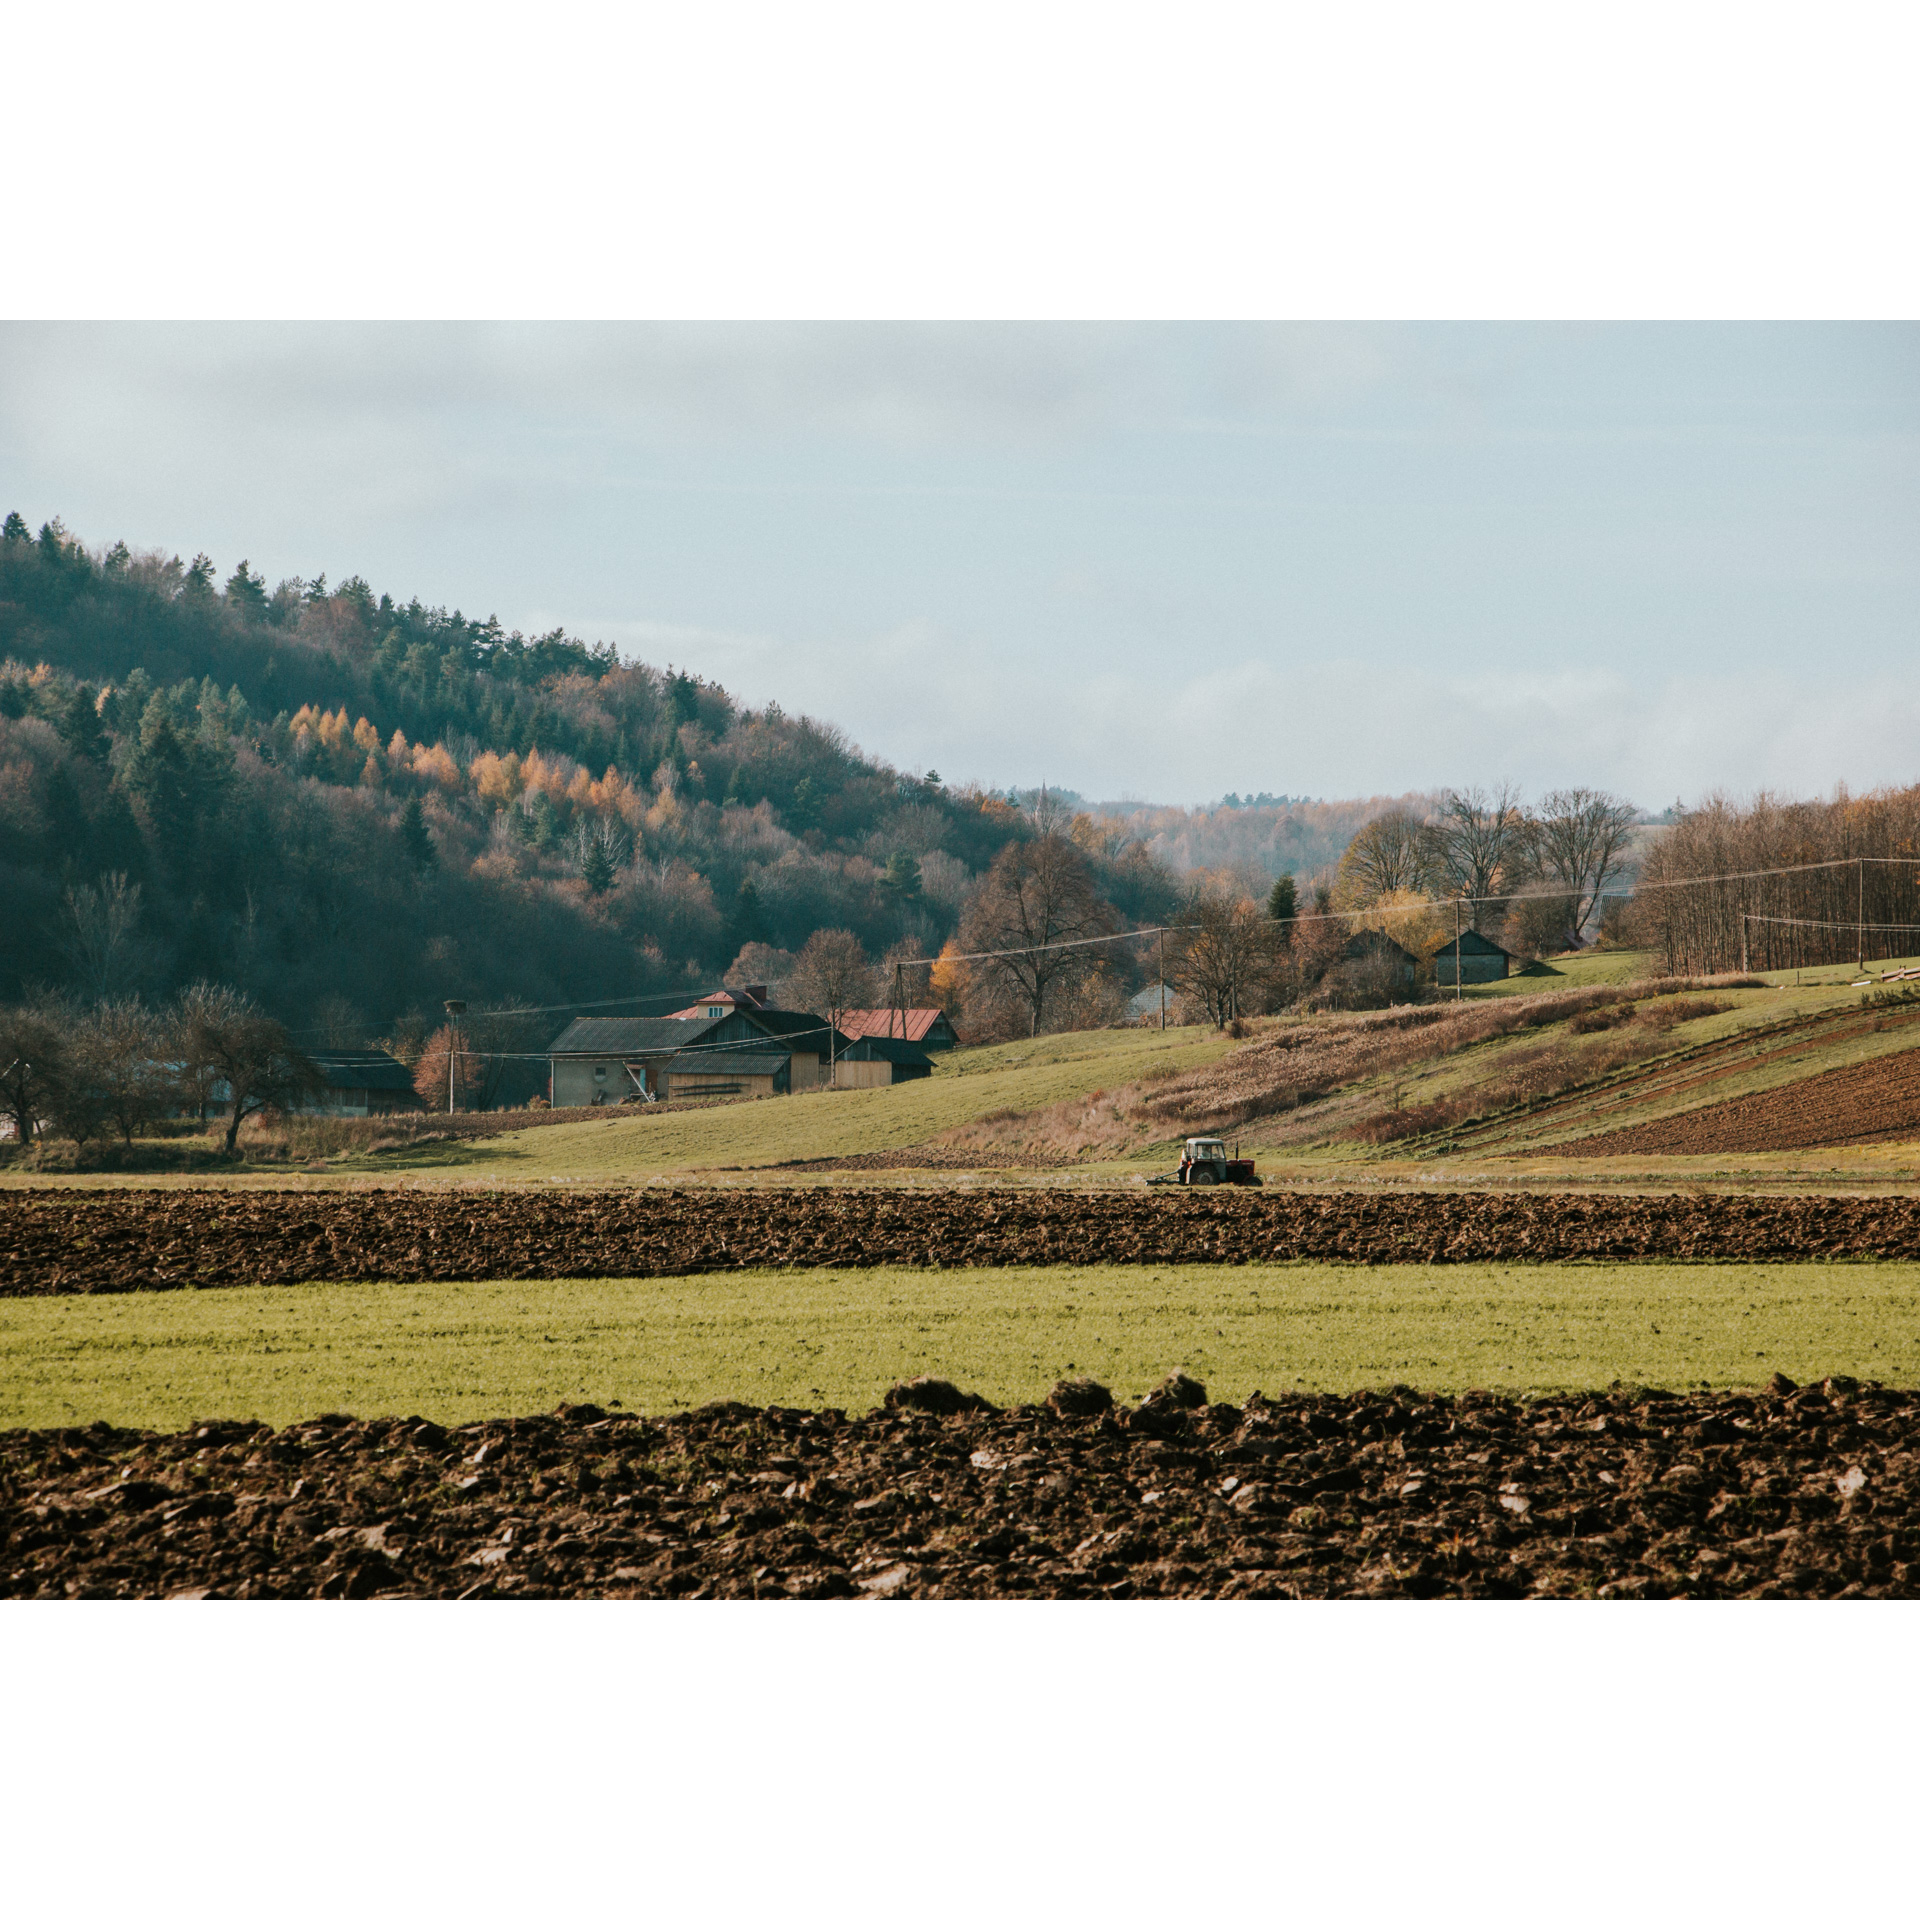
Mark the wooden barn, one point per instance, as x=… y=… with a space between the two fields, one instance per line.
x=1470 y=960
x=1372 y=948
x=926 y=1027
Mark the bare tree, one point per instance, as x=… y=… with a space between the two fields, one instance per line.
x=102 y=942
x=1034 y=902
x=830 y=975
x=1479 y=844
x=33 y=1064
x=1225 y=954
x=1392 y=854
x=220 y=1033
x=1580 y=838
x=116 y=1076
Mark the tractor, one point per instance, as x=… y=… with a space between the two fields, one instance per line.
x=1204 y=1162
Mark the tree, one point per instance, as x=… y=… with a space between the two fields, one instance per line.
x=1580 y=838
x=1283 y=906
x=116 y=1074
x=1390 y=854
x=1224 y=953
x=415 y=840
x=831 y=974
x=901 y=880
x=33 y=1065
x=502 y=1039
x=1035 y=903
x=247 y=593
x=245 y=1055
x=600 y=850
x=102 y=945
x=1478 y=845
x=432 y=1081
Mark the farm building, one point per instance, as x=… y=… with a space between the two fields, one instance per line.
x=365 y=1081
x=927 y=1027
x=599 y=1063
x=744 y=1050
x=1372 y=948
x=1477 y=958
x=875 y=1061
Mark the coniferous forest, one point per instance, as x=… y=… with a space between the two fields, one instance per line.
x=352 y=808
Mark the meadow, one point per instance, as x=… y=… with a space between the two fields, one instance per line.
x=459 y=1352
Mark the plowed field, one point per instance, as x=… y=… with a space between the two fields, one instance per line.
x=1844 y=1107
x=122 y=1242
x=1789 y=1492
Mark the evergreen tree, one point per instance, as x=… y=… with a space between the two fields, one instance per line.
x=15 y=528
x=414 y=837
x=1283 y=906
x=247 y=593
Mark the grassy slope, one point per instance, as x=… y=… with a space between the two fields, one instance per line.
x=463 y=1352
x=965 y=1085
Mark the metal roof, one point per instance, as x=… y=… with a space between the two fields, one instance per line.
x=884 y=1023
x=875 y=1046
x=622 y=1037
x=726 y=1065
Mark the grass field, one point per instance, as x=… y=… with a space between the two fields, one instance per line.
x=459 y=1352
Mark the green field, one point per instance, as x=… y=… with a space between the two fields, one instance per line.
x=459 y=1352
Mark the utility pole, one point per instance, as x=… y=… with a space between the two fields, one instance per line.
x=1743 y=944
x=1456 y=946
x=1163 y=979
x=1860 y=917
x=455 y=1008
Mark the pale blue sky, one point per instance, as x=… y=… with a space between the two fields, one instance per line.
x=1166 y=561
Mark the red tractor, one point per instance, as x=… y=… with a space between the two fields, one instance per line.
x=1204 y=1162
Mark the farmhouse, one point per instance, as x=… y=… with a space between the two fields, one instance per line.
x=927 y=1027
x=1471 y=958
x=743 y=1050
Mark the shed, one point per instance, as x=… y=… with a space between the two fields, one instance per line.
x=876 y=1061
x=1371 y=947
x=1470 y=959
x=928 y=1028
x=362 y=1081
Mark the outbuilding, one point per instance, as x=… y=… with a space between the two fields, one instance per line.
x=1470 y=960
x=928 y=1028
x=1371 y=948
x=599 y=1063
x=363 y=1081
x=878 y=1062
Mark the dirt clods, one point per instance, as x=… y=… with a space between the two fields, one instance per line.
x=1797 y=1491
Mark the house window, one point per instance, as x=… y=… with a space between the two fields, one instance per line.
x=599 y=1073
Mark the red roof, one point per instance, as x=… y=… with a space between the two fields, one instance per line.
x=726 y=999
x=883 y=1023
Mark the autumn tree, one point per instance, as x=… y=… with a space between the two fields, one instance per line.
x=1390 y=854
x=1026 y=918
x=446 y=1068
x=1224 y=953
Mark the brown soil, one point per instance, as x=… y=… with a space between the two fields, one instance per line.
x=1796 y=1492
x=1854 y=1106
x=122 y=1242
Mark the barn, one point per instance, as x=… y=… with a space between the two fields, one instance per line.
x=928 y=1028
x=1471 y=959
x=876 y=1061
x=1373 y=948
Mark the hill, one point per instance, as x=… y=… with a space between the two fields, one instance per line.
x=354 y=807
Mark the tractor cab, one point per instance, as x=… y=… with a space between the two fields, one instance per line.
x=1205 y=1162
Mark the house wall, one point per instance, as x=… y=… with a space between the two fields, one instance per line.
x=863 y=1073
x=577 y=1079
x=808 y=1070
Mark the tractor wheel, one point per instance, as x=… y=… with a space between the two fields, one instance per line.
x=1202 y=1177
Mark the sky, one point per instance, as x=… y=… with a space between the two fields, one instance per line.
x=1140 y=561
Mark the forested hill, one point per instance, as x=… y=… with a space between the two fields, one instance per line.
x=354 y=807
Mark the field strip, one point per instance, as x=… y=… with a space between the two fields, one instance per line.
x=837 y=1338
x=121 y=1242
